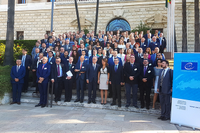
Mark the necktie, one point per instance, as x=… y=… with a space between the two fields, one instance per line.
x=162 y=76
x=35 y=56
x=145 y=70
x=104 y=43
x=58 y=70
x=43 y=67
x=81 y=65
x=49 y=59
x=94 y=66
x=69 y=66
x=115 y=68
x=23 y=60
x=132 y=65
x=17 y=68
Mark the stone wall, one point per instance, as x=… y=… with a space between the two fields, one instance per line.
x=35 y=18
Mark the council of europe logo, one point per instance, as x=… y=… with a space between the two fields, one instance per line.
x=192 y=66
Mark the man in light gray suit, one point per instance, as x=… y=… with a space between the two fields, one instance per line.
x=165 y=90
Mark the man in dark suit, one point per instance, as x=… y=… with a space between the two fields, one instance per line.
x=51 y=59
x=165 y=89
x=92 y=78
x=143 y=44
x=162 y=42
x=68 y=79
x=82 y=48
x=37 y=50
x=26 y=62
x=148 y=39
x=111 y=60
x=50 y=43
x=104 y=42
x=154 y=44
x=131 y=72
x=43 y=49
x=80 y=69
x=17 y=74
x=94 y=54
x=146 y=79
x=116 y=80
x=64 y=57
x=43 y=73
x=45 y=40
x=57 y=70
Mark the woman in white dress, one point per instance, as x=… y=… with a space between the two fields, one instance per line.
x=103 y=79
x=157 y=70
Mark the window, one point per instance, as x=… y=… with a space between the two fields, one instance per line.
x=20 y=35
x=21 y=1
x=118 y=24
x=48 y=33
x=50 y=0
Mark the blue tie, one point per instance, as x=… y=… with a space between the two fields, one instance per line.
x=115 y=68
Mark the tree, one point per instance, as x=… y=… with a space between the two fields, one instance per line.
x=196 y=10
x=184 y=27
x=141 y=27
x=8 y=59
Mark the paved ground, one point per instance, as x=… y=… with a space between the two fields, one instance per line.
x=26 y=118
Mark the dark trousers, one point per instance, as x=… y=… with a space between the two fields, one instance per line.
x=43 y=93
x=145 y=87
x=161 y=49
x=68 y=89
x=16 y=92
x=58 y=88
x=110 y=90
x=25 y=85
x=92 y=87
x=116 y=90
x=134 y=88
x=34 y=78
x=165 y=105
x=80 y=84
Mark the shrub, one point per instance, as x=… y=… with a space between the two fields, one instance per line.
x=141 y=27
x=5 y=80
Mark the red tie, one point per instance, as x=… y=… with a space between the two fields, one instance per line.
x=104 y=43
x=42 y=67
x=58 y=70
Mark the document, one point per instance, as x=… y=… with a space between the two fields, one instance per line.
x=69 y=73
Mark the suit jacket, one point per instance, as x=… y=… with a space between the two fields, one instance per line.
x=28 y=61
x=86 y=60
x=20 y=74
x=131 y=71
x=69 y=48
x=118 y=76
x=80 y=52
x=35 y=63
x=111 y=62
x=149 y=74
x=92 y=75
x=163 y=42
x=82 y=69
x=45 y=72
x=69 y=69
x=64 y=60
x=153 y=45
x=102 y=44
x=48 y=44
x=143 y=46
x=100 y=60
x=91 y=57
x=52 y=61
x=167 y=82
x=44 y=41
x=54 y=71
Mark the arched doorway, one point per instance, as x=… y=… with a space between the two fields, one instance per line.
x=118 y=24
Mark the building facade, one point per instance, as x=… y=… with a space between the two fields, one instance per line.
x=33 y=17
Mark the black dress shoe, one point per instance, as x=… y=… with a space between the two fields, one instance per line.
x=66 y=101
x=94 y=102
x=81 y=101
x=38 y=105
x=119 y=105
x=142 y=106
x=147 y=107
x=127 y=106
x=165 y=119
x=113 y=104
x=18 y=103
x=12 y=103
x=89 y=102
x=136 y=107
x=43 y=106
x=59 y=100
x=76 y=100
x=161 y=117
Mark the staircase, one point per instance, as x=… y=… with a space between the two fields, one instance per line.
x=29 y=97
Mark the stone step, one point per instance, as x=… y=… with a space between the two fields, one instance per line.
x=97 y=105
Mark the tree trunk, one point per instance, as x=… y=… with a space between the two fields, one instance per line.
x=184 y=27
x=196 y=10
x=8 y=57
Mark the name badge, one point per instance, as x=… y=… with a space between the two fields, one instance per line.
x=72 y=66
x=50 y=62
x=135 y=69
x=156 y=44
x=144 y=45
x=149 y=71
x=68 y=47
x=83 y=67
x=150 y=64
x=67 y=59
x=45 y=68
x=86 y=59
x=142 y=57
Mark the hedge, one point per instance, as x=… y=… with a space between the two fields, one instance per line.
x=5 y=80
x=29 y=44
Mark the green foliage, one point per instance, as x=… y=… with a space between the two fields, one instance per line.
x=17 y=49
x=86 y=31
x=5 y=80
x=141 y=27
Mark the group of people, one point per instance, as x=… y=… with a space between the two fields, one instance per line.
x=107 y=61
